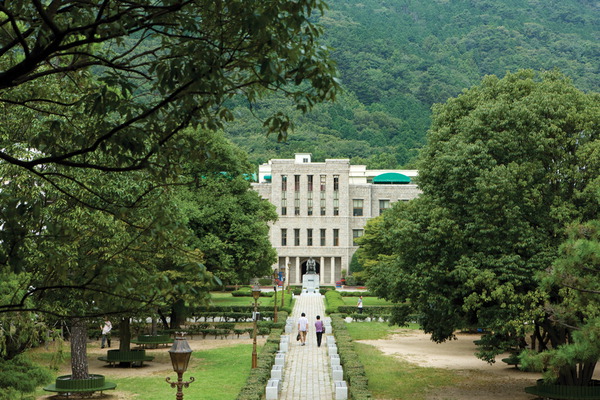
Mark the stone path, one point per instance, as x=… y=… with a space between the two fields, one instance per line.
x=307 y=374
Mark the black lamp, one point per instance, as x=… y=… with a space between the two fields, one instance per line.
x=180 y=354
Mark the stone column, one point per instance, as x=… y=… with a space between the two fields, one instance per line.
x=322 y=270
x=287 y=271
x=333 y=270
x=298 y=271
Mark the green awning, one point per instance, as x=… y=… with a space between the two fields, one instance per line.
x=391 y=178
x=267 y=177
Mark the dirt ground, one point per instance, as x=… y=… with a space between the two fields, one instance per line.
x=481 y=380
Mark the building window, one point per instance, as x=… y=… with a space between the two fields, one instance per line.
x=336 y=237
x=305 y=160
x=323 y=183
x=356 y=233
x=336 y=207
x=296 y=206
x=322 y=237
x=310 y=183
x=283 y=183
x=357 y=207
x=296 y=237
x=283 y=207
x=296 y=183
x=383 y=205
x=309 y=240
x=322 y=206
x=284 y=237
x=310 y=206
x=336 y=183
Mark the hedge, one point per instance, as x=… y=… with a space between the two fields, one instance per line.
x=259 y=376
x=354 y=371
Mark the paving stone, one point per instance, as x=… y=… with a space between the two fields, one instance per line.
x=307 y=375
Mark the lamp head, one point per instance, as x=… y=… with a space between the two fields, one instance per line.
x=256 y=292
x=180 y=354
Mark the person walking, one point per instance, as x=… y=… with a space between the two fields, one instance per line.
x=360 y=305
x=106 y=328
x=319 y=329
x=302 y=328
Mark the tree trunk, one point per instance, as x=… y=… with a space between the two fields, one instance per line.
x=124 y=338
x=163 y=319
x=79 y=361
x=177 y=314
x=154 y=329
x=124 y=334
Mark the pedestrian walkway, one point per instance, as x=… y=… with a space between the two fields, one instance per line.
x=306 y=374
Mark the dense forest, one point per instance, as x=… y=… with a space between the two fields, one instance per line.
x=397 y=58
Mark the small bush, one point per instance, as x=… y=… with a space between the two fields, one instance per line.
x=333 y=300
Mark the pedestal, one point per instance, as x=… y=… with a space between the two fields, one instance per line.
x=310 y=284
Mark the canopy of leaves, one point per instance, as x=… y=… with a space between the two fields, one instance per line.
x=95 y=97
x=504 y=171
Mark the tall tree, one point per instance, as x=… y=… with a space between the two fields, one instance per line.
x=575 y=285
x=97 y=91
x=504 y=171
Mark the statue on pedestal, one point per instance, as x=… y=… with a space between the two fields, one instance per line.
x=311 y=266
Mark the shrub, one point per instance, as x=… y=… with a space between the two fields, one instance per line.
x=258 y=378
x=23 y=378
x=354 y=372
x=333 y=300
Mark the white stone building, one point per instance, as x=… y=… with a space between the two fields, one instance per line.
x=323 y=207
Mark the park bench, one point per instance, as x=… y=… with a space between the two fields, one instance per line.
x=513 y=359
x=134 y=357
x=66 y=386
x=152 y=341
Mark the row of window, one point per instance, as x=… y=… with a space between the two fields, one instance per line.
x=310 y=183
x=356 y=233
x=357 y=207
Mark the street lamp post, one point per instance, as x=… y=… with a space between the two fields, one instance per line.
x=275 y=303
x=255 y=296
x=180 y=354
x=283 y=288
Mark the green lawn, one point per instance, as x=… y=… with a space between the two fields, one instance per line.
x=220 y=374
x=225 y=299
x=390 y=377
x=374 y=330
x=367 y=301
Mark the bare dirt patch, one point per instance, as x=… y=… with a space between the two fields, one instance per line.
x=480 y=380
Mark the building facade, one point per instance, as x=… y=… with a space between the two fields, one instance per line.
x=323 y=208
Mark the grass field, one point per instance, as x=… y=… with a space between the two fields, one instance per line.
x=219 y=373
x=390 y=377
x=367 y=301
x=226 y=299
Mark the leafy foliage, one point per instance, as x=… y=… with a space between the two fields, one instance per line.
x=397 y=59
x=505 y=170
x=24 y=377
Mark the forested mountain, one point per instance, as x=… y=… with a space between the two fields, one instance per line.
x=398 y=57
